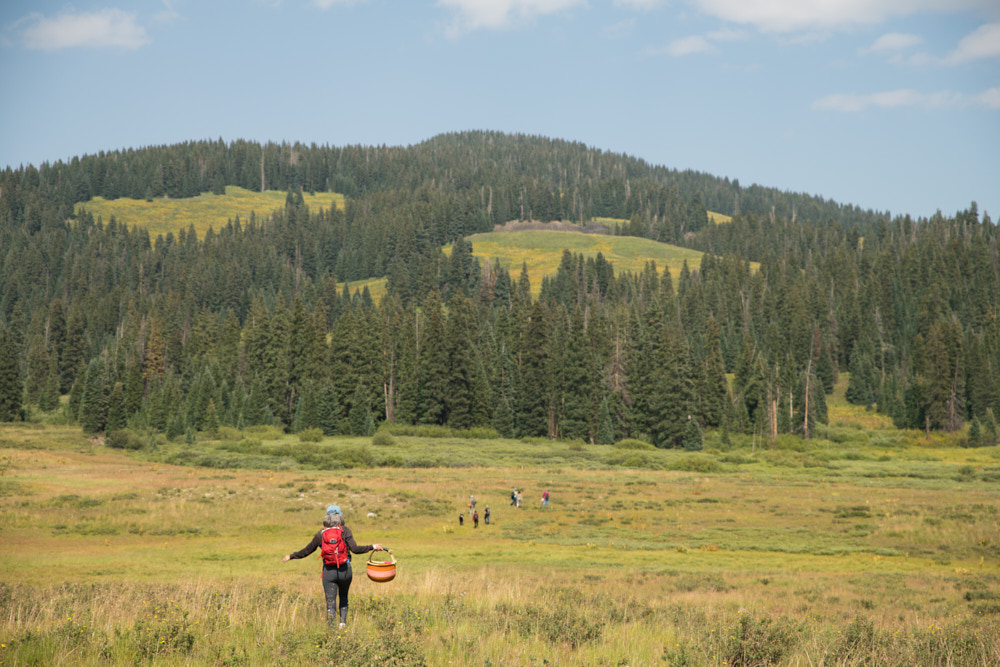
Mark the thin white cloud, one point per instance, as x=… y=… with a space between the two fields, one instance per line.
x=105 y=28
x=168 y=14
x=892 y=42
x=726 y=35
x=990 y=98
x=695 y=44
x=474 y=15
x=811 y=15
x=640 y=5
x=619 y=30
x=905 y=97
x=326 y=4
x=984 y=42
x=687 y=46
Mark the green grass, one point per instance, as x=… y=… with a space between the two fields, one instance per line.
x=866 y=545
x=163 y=215
x=542 y=251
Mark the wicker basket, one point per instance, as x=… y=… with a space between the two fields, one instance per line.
x=382 y=571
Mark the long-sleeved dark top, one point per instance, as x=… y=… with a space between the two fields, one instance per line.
x=317 y=540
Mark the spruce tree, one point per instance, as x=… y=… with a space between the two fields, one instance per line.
x=433 y=365
x=461 y=362
x=863 y=385
x=116 y=408
x=714 y=386
x=532 y=394
x=361 y=414
x=503 y=418
x=211 y=424
x=605 y=427
x=50 y=395
x=94 y=405
x=692 y=440
x=975 y=437
x=11 y=384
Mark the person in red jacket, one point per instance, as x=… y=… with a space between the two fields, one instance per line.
x=336 y=578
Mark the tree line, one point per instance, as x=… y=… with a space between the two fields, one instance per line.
x=247 y=325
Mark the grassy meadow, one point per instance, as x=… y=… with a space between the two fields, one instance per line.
x=163 y=215
x=719 y=218
x=542 y=251
x=864 y=546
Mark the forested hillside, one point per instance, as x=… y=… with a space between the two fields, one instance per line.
x=247 y=325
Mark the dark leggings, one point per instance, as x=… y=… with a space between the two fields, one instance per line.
x=336 y=579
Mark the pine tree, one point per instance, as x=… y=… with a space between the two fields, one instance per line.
x=37 y=366
x=461 y=363
x=11 y=384
x=116 y=408
x=328 y=410
x=714 y=386
x=862 y=387
x=211 y=423
x=433 y=365
x=581 y=375
x=532 y=394
x=361 y=414
x=94 y=405
x=975 y=437
x=50 y=395
x=503 y=418
x=605 y=427
x=692 y=439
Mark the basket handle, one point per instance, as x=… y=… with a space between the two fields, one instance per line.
x=388 y=551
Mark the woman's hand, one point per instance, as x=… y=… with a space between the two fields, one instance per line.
x=286 y=558
x=377 y=547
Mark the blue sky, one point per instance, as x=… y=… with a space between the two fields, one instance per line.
x=888 y=104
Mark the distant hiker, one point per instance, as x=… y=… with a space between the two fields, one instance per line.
x=486 y=515
x=545 y=498
x=517 y=501
x=472 y=502
x=337 y=542
x=513 y=496
x=475 y=519
x=461 y=520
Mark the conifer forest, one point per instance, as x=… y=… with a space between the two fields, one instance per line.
x=252 y=323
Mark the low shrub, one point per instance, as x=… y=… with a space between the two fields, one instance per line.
x=383 y=438
x=265 y=432
x=478 y=433
x=123 y=439
x=629 y=459
x=695 y=464
x=761 y=641
x=228 y=433
x=632 y=443
x=417 y=430
x=311 y=435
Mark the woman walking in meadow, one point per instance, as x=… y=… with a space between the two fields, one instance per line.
x=337 y=543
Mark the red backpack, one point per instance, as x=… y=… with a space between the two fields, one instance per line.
x=334 y=548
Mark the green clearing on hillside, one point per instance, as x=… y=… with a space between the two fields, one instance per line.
x=164 y=215
x=542 y=252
